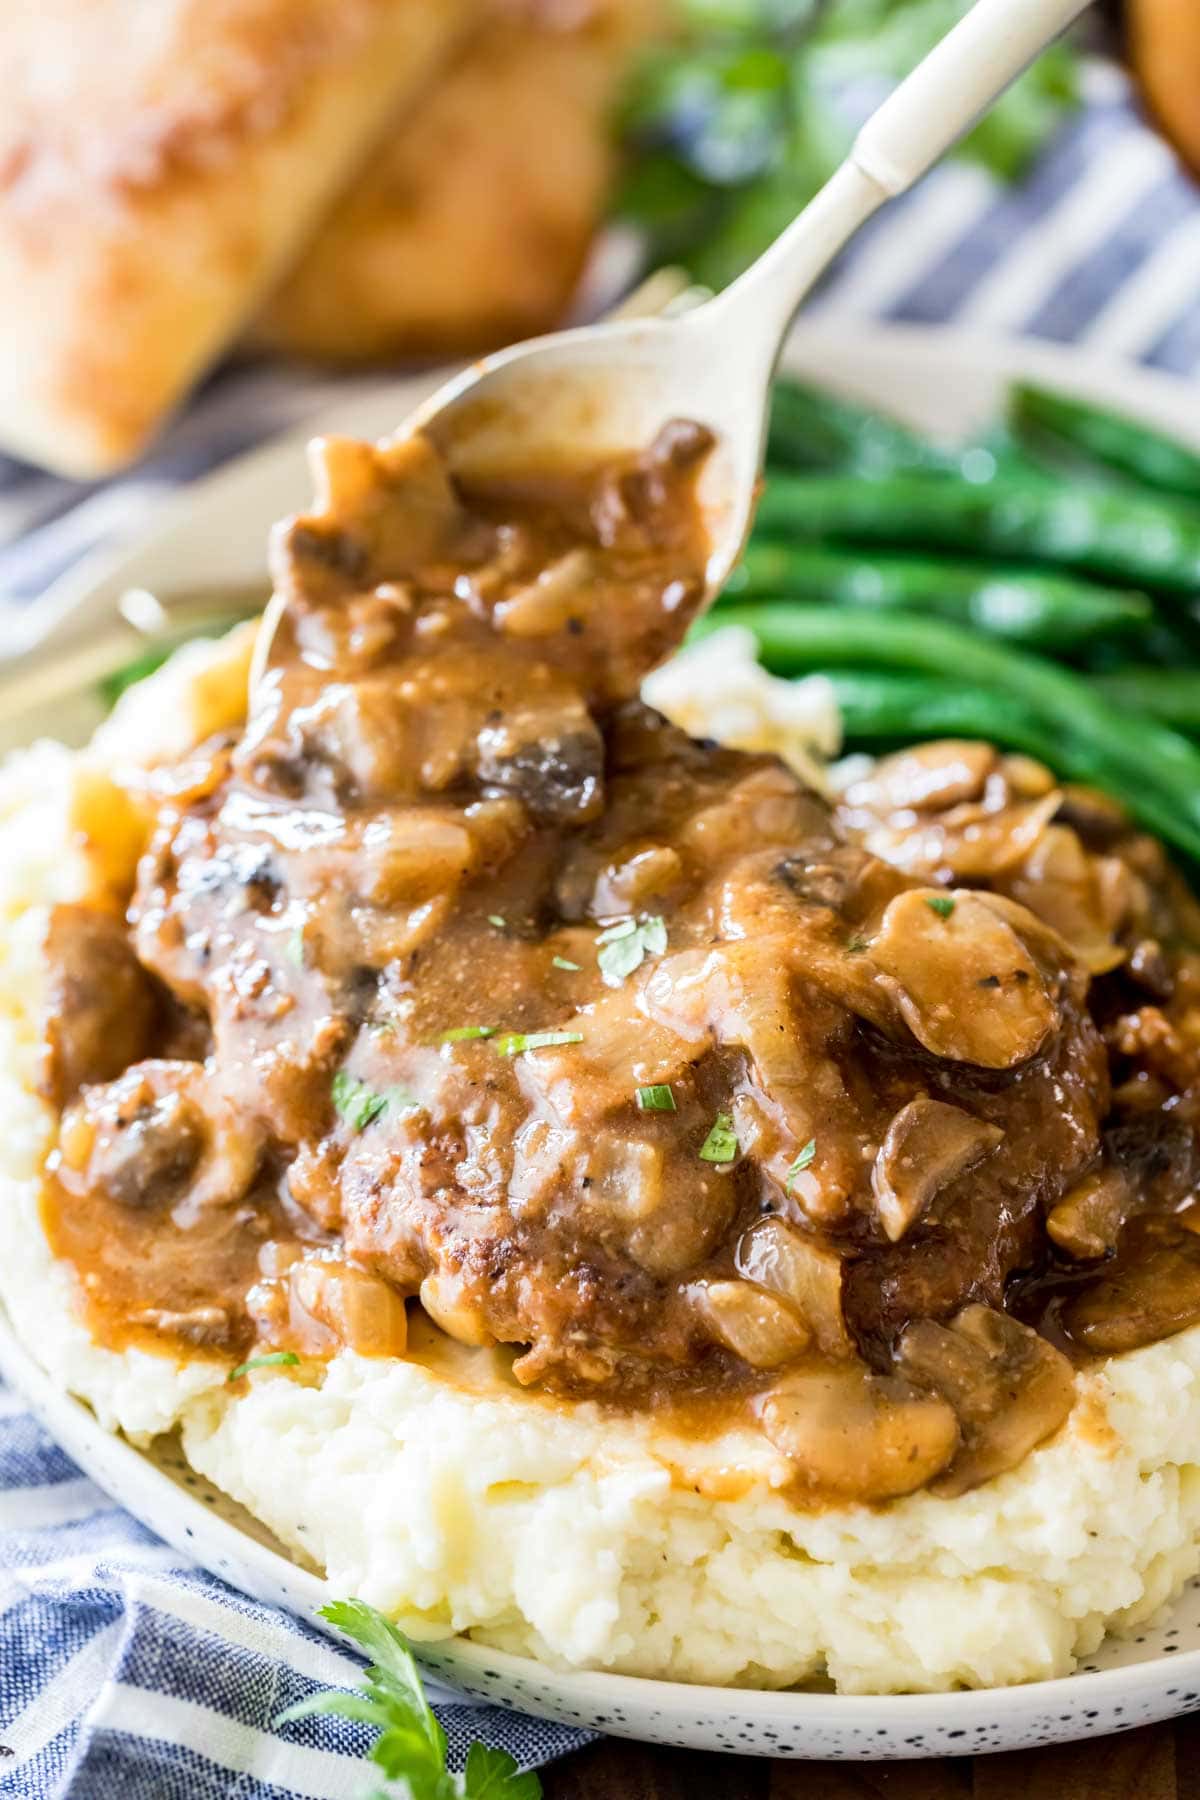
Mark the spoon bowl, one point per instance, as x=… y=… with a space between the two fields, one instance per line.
x=582 y=396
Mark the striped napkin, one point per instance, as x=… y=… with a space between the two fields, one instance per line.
x=125 y=1675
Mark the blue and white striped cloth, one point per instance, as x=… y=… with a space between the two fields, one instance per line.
x=126 y=1676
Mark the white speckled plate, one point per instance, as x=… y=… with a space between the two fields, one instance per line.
x=945 y=382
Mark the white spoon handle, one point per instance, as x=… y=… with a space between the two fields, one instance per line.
x=955 y=84
x=930 y=110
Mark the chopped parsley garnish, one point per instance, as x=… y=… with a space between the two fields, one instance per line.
x=278 y=1359
x=515 y=1042
x=656 y=1098
x=721 y=1145
x=562 y=962
x=857 y=945
x=941 y=904
x=411 y=1746
x=497 y=921
x=623 y=947
x=293 y=948
x=462 y=1034
x=361 y=1105
x=801 y=1163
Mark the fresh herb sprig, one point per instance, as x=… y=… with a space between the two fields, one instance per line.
x=275 y=1359
x=360 y=1104
x=804 y=1160
x=411 y=1746
x=624 y=947
x=657 y=1097
x=721 y=1145
x=516 y=1043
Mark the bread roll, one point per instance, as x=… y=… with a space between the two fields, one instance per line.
x=1164 y=44
x=160 y=165
x=472 y=222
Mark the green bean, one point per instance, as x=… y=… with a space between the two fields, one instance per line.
x=1170 y=695
x=812 y=429
x=1149 y=541
x=1044 y=611
x=1151 y=769
x=1115 y=441
x=879 y=706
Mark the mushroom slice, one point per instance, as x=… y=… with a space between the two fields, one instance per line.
x=763 y=1330
x=928 y=1145
x=163 y=1135
x=1062 y=883
x=1087 y=1221
x=806 y=1275
x=962 y=978
x=928 y=778
x=361 y=1311
x=1008 y=1386
x=852 y=1433
x=1151 y=1292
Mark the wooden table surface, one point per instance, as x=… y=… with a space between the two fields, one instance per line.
x=1161 y=1762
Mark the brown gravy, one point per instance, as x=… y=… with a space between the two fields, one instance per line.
x=462 y=979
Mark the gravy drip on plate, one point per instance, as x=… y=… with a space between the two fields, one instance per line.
x=463 y=980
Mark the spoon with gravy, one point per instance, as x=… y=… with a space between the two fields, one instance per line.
x=578 y=396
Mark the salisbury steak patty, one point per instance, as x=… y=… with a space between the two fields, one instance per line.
x=472 y=981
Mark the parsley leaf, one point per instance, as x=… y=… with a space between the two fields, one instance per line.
x=721 y=1144
x=941 y=904
x=411 y=1746
x=801 y=1163
x=562 y=962
x=656 y=1098
x=277 y=1359
x=361 y=1105
x=623 y=947
x=493 y=1775
x=463 y=1034
x=514 y=1043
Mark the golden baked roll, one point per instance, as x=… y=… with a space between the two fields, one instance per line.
x=472 y=222
x=159 y=166
x=1164 y=44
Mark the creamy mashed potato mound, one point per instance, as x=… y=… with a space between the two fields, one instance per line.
x=443 y=1493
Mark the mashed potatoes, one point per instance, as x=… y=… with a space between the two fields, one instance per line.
x=443 y=1493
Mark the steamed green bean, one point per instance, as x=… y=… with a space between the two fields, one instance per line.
x=1151 y=769
x=1148 y=541
x=1110 y=439
x=1043 y=611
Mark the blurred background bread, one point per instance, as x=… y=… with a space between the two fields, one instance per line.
x=1164 y=48
x=472 y=221
x=423 y=177
x=364 y=181
x=160 y=166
